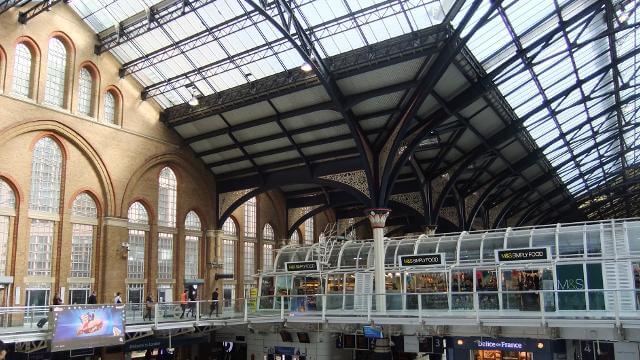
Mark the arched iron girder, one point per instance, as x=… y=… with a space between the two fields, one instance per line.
x=426 y=85
x=311 y=56
x=488 y=145
x=479 y=88
x=483 y=197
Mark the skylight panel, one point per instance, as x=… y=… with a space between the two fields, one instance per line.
x=523 y=16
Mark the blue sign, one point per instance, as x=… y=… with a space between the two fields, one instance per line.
x=372 y=332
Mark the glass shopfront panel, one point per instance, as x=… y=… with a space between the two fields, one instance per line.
x=576 y=291
x=393 y=288
x=335 y=289
x=487 y=288
x=433 y=288
x=462 y=289
x=521 y=289
x=267 y=292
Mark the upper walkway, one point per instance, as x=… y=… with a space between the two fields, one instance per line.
x=533 y=309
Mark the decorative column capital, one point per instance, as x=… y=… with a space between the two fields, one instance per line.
x=378 y=217
x=430 y=229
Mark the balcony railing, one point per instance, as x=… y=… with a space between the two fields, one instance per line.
x=554 y=308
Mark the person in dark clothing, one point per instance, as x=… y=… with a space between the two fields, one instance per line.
x=92 y=298
x=214 y=303
x=192 y=302
x=57 y=300
x=3 y=350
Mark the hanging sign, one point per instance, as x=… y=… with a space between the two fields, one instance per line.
x=421 y=260
x=293 y=266
x=527 y=254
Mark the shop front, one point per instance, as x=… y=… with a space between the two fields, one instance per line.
x=477 y=348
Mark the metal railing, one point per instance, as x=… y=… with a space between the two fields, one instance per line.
x=529 y=308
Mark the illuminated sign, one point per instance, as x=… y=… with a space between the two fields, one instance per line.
x=422 y=260
x=531 y=254
x=302 y=266
x=502 y=345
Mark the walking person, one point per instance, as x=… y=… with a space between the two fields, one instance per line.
x=93 y=299
x=214 y=303
x=148 y=308
x=117 y=299
x=183 y=302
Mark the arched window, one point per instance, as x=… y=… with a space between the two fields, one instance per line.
x=192 y=221
x=138 y=228
x=84 y=206
x=229 y=246
x=167 y=198
x=22 y=65
x=7 y=211
x=46 y=172
x=250 y=218
x=137 y=214
x=7 y=197
x=308 y=231
x=110 y=108
x=56 y=73
x=229 y=227
x=267 y=233
x=84 y=218
x=193 y=229
x=85 y=92
x=268 y=237
x=295 y=238
x=167 y=194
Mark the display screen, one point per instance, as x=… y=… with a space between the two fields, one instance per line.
x=82 y=327
x=372 y=332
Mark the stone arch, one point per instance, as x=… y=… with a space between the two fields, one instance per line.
x=62 y=131
x=174 y=162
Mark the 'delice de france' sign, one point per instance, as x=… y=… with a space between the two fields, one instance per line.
x=301 y=266
x=526 y=254
x=422 y=260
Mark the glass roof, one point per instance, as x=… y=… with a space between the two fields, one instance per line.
x=242 y=45
x=573 y=86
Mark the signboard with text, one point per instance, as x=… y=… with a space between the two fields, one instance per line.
x=526 y=254
x=422 y=260
x=301 y=266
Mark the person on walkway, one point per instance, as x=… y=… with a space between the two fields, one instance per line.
x=148 y=308
x=183 y=302
x=57 y=300
x=193 y=298
x=214 y=303
x=93 y=299
x=117 y=299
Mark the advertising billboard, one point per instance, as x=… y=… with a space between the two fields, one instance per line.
x=77 y=327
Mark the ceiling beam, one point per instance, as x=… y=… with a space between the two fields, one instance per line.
x=146 y=21
x=39 y=8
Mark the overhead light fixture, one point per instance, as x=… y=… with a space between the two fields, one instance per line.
x=306 y=67
x=194 y=101
x=623 y=17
